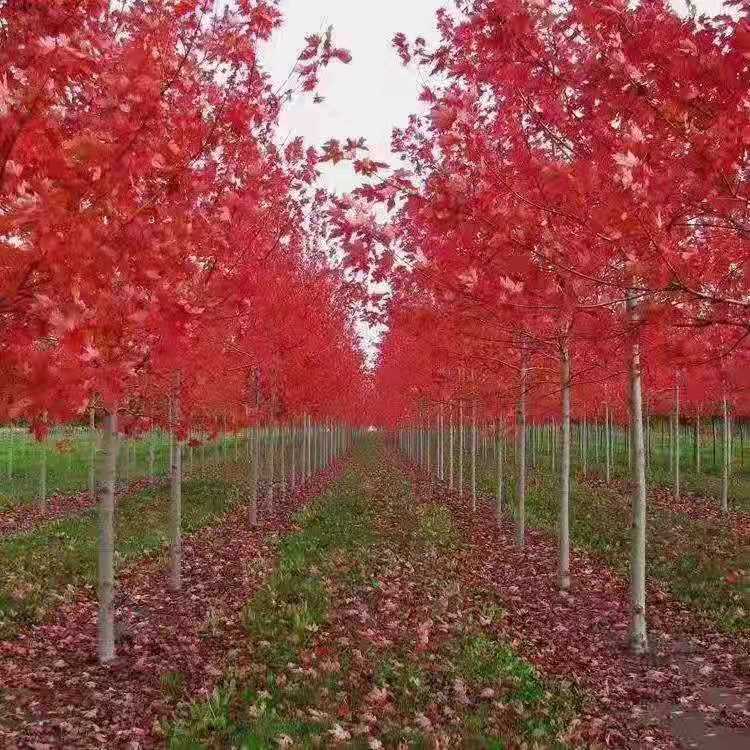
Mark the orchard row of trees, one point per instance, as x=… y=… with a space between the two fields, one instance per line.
x=572 y=240
x=163 y=263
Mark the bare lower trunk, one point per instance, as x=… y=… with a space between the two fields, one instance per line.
x=171 y=442
x=727 y=459
x=521 y=519
x=638 y=631
x=254 y=438
x=428 y=446
x=607 y=444
x=11 y=440
x=460 y=448
x=293 y=456
x=106 y=557
x=271 y=467
x=92 y=452
x=697 y=444
x=474 y=456
x=585 y=445
x=42 y=497
x=450 y=452
x=677 y=440
x=175 y=505
x=564 y=523
x=309 y=447
x=499 y=496
x=441 y=445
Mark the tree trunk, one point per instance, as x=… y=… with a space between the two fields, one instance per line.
x=713 y=440
x=175 y=502
x=499 y=498
x=564 y=521
x=638 y=632
x=92 y=452
x=270 y=448
x=428 y=446
x=293 y=449
x=474 y=456
x=607 y=444
x=727 y=458
x=310 y=437
x=450 y=451
x=677 y=440
x=171 y=443
x=521 y=519
x=585 y=445
x=460 y=447
x=254 y=438
x=42 y=472
x=441 y=444
x=697 y=444
x=106 y=556
x=11 y=441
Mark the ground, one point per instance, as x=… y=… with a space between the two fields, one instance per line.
x=374 y=609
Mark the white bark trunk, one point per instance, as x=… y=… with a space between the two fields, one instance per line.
x=677 y=440
x=11 y=441
x=175 y=502
x=521 y=519
x=293 y=449
x=638 y=632
x=106 y=556
x=697 y=444
x=460 y=448
x=440 y=444
x=254 y=475
x=607 y=444
x=269 y=465
x=92 y=452
x=564 y=523
x=42 y=447
x=499 y=496
x=450 y=451
x=474 y=456
x=171 y=443
x=585 y=445
x=727 y=458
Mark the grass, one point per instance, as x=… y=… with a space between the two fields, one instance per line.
x=282 y=619
x=67 y=453
x=308 y=678
x=691 y=556
x=43 y=566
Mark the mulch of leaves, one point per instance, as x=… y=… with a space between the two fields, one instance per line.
x=28 y=516
x=692 y=671
x=406 y=655
x=54 y=692
x=697 y=507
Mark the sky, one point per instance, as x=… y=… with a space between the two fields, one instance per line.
x=366 y=98
x=375 y=92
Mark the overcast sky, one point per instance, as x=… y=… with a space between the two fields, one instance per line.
x=372 y=94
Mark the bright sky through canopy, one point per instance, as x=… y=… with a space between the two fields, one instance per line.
x=375 y=92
